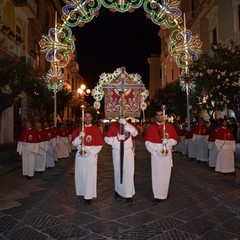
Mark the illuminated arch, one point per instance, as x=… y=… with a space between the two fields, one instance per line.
x=59 y=43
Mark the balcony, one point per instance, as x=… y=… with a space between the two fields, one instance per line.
x=28 y=7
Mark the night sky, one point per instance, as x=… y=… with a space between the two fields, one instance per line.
x=114 y=40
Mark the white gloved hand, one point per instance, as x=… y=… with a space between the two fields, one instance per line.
x=164 y=141
x=122 y=121
x=159 y=153
x=120 y=137
x=82 y=134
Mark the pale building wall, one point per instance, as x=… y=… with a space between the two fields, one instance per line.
x=154 y=74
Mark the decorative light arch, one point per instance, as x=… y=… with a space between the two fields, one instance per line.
x=59 y=44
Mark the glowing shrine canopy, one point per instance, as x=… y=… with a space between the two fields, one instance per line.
x=59 y=43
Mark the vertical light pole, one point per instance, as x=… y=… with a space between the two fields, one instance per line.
x=187 y=75
x=83 y=92
x=55 y=106
x=188 y=113
x=54 y=81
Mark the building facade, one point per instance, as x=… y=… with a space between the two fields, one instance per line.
x=22 y=24
x=213 y=20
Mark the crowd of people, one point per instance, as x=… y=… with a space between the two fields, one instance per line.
x=42 y=145
x=213 y=143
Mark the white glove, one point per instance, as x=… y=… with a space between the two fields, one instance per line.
x=164 y=141
x=82 y=134
x=120 y=137
x=123 y=121
x=159 y=153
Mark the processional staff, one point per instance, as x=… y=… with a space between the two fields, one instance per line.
x=122 y=105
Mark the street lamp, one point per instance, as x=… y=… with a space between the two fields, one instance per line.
x=83 y=92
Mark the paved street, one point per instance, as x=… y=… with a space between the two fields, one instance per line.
x=202 y=204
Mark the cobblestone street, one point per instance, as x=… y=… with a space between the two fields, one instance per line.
x=202 y=204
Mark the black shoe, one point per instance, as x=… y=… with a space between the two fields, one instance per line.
x=87 y=201
x=117 y=196
x=29 y=178
x=129 y=200
x=159 y=200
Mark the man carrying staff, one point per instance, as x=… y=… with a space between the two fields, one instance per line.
x=159 y=140
x=125 y=189
x=89 y=141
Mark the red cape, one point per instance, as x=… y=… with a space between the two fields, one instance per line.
x=224 y=134
x=29 y=136
x=93 y=136
x=155 y=133
x=200 y=129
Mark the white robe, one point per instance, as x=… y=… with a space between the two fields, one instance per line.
x=161 y=168
x=86 y=170
x=183 y=145
x=225 y=157
x=51 y=157
x=28 y=152
x=201 y=147
x=191 y=148
x=41 y=156
x=213 y=151
x=127 y=188
x=63 y=147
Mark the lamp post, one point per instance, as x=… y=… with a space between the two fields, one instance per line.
x=187 y=84
x=82 y=91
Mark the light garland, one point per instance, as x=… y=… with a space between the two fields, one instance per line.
x=185 y=47
x=55 y=79
x=106 y=78
x=58 y=45
x=186 y=79
x=79 y=12
x=163 y=13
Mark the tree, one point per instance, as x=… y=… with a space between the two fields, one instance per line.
x=63 y=100
x=14 y=76
x=217 y=79
x=173 y=97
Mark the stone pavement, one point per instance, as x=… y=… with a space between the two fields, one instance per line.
x=202 y=204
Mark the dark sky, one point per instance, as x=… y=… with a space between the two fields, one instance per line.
x=114 y=40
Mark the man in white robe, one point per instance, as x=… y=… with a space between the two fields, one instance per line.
x=157 y=140
x=88 y=142
x=226 y=146
x=43 y=145
x=28 y=147
x=126 y=189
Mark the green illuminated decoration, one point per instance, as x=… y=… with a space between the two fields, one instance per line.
x=163 y=13
x=122 y=5
x=185 y=47
x=78 y=12
x=58 y=45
